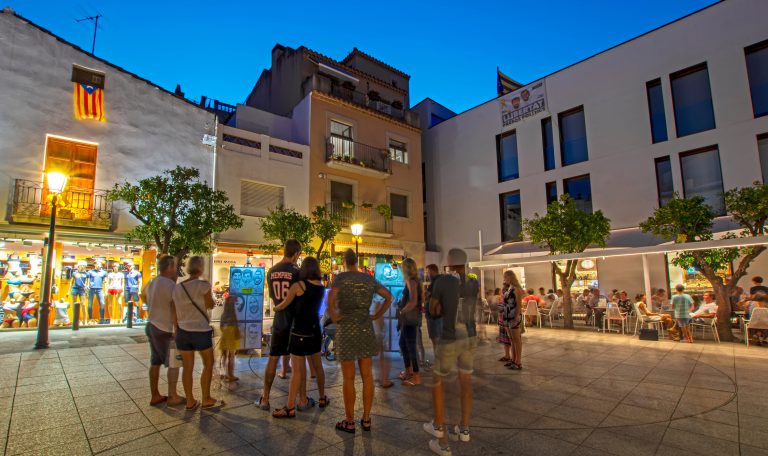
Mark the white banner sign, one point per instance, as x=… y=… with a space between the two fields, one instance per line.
x=522 y=104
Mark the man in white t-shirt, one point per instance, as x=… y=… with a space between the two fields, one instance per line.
x=708 y=309
x=158 y=294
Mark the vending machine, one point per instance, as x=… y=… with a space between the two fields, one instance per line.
x=391 y=277
x=246 y=285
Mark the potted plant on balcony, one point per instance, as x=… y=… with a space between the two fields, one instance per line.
x=384 y=210
x=348 y=204
x=374 y=95
x=367 y=206
x=397 y=104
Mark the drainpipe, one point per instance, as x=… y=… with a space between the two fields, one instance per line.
x=213 y=179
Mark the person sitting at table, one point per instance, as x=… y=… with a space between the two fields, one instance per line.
x=595 y=305
x=582 y=302
x=758 y=300
x=659 y=300
x=708 y=309
x=531 y=296
x=666 y=319
x=625 y=305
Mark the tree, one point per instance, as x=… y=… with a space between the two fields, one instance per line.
x=178 y=212
x=325 y=225
x=282 y=224
x=690 y=220
x=567 y=229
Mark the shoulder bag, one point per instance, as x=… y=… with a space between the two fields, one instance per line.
x=194 y=304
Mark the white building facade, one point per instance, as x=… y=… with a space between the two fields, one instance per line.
x=679 y=109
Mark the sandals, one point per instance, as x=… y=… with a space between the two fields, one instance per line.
x=264 y=407
x=386 y=385
x=516 y=366
x=284 y=412
x=346 y=426
x=323 y=402
x=215 y=404
x=194 y=407
x=310 y=403
x=158 y=401
x=504 y=359
x=403 y=375
x=366 y=424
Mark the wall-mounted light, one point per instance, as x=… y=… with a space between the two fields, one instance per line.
x=321 y=175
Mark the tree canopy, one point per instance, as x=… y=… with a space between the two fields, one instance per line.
x=282 y=224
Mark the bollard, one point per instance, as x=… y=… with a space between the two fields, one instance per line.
x=76 y=317
x=129 y=316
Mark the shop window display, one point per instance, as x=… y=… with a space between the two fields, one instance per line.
x=21 y=290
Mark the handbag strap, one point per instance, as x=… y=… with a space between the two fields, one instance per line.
x=194 y=304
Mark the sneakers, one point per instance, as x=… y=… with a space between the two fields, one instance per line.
x=434 y=445
x=430 y=429
x=456 y=433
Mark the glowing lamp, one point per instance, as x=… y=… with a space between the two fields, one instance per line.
x=357 y=229
x=56 y=182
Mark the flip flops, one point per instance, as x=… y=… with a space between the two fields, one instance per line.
x=346 y=426
x=264 y=407
x=158 y=401
x=194 y=407
x=284 y=412
x=217 y=403
x=310 y=403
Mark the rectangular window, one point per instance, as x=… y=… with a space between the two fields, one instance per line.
x=399 y=205
x=511 y=216
x=692 y=99
x=341 y=192
x=551 y=192
x=548 y=144
x=398 y=151
x=256 y=199
x=340 y=140
x=757 y=70
x=664 y=180
x=656 y=111
x=702 y=177
x=762 y=148
x=580 y=190
x=573 y=136
x=506 y=155
x=77 y=160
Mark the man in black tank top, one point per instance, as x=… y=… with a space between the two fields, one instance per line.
x=279 y=280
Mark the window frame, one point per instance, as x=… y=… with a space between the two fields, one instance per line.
x=686 y=72
x=656 y=161
x=407 y=197
x=648 y=86
x=251 y=181
x=762 y=45
x=403 y=151
x=560 y=117
x=573 y=178
x=550 y=140
x=697 y=151
x=499 y=141
x=763 y=163
x=502 y=215
x=547 y=187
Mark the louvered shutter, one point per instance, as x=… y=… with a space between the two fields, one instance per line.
x=257 y=199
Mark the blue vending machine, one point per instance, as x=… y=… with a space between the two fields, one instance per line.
x=391 y=277
x=246 y=284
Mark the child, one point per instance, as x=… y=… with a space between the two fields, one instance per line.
x=230 y=338
x=682 y=304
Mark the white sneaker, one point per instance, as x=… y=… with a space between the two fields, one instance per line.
x=430 y=429
x=456 y=433
x=434 y=445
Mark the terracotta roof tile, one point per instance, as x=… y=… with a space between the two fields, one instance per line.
x=355 y=71
x=356 y=51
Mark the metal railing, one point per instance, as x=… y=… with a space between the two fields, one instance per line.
x=344 y=150
x=77 y=206
x=371 y=219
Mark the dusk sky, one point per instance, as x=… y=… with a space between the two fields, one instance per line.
x=449 y=48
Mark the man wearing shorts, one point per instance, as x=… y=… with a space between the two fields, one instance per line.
x=434 y=324
x=455 y=350
x=682 y=304
x=279 y=280
x=158 y=294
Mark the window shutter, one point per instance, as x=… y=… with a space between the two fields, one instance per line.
x=257 y=199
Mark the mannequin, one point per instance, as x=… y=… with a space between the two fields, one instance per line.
x=132 y=288
x=29 y=314
x=115 y=290
x=96 y=278
x=61 y=319
x=11 y=319
x=77 y=292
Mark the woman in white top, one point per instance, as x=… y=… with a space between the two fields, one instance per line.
x=192 y=299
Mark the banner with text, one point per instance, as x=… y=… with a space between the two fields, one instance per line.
x=522 y=103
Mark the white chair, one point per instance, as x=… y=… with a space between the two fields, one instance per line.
x=705 y=323
x=644 y=320
x=758 y=320
x=552 y=312
x=532 y=310
x=612 y=313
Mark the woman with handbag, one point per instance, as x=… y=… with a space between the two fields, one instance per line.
x=305 y=338
x=409 y=314
x=193 y=299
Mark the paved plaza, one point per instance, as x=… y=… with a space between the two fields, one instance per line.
x=580 y=393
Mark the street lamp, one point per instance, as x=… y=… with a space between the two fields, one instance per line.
x=56 y=183
x=357 y=230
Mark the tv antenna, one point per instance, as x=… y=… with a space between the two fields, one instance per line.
x=95 y=20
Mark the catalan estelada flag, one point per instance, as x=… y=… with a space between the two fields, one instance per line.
x=89 y=102
x=505 y=84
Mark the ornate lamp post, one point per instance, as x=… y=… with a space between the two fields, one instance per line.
x=357 y=231
x=56 y=183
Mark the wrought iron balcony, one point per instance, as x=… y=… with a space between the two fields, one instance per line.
x=78 y=207
x=344 y=153
x=372 y=220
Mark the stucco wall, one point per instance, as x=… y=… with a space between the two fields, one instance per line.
x=146 y=130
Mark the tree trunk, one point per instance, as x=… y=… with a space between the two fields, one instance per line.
x=567 y=305
x=722 y=295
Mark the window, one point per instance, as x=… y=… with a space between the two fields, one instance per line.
x=692 y=98
x=506 y=155
x=341 y=192
x=757 y=70
x=549 y=145
x=573 y=136
x=341 y=139
x=77 y=160
x=664 y=180
x=399 y=205
x=511 y=216
x=702 y=177
x=580 y=191
x=398 y=151
x=551 y=192
x=256 y=199
x=656 y=111
x=762 y=148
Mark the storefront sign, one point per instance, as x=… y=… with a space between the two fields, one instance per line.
x=246 y=285
x=522 y=104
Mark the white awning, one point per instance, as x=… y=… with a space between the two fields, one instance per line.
x=337 y=72
x=369 y=248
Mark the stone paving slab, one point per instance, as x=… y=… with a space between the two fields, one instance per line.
x=580 y=394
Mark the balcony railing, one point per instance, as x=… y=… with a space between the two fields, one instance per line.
x=372 y=221
x=77 y=206
x=346 y=152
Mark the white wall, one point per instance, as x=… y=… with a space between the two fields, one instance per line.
x=146 y=131
x=611 y=87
